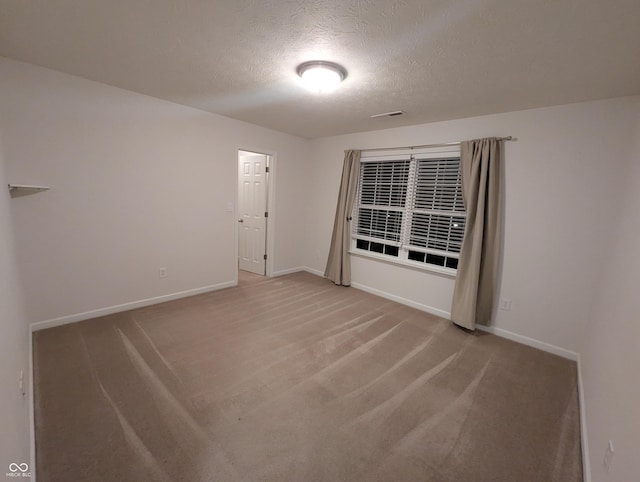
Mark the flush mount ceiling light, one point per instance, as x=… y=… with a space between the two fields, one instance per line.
x=320 y=76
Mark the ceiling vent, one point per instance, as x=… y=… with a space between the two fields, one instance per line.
x=395 y=113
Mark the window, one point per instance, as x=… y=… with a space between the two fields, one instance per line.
x=409 y=208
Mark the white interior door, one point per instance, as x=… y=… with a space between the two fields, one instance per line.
x=252 y=208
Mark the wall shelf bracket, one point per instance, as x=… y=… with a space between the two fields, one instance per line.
x=18 y=190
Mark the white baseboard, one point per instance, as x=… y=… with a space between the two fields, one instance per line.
x=313 y=271
x=373 y=291
x=586 y=466
x=284 y=272
x=525 y=340
x=404 y=301
x=87 y=315
x=32 y=413
x=298 y=270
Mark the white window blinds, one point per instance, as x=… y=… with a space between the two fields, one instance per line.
x=382 y=199
x=410 y=207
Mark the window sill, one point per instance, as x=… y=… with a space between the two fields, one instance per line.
x=447 y=272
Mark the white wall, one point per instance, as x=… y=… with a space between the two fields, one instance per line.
x=137 y=183
x=14 y=415
x=611 y=354
x=561 y=174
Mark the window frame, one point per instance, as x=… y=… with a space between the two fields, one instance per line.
x=447 y=152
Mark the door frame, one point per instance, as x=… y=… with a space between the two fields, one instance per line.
x=271 y=184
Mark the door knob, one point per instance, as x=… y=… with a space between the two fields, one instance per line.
x=241 y=220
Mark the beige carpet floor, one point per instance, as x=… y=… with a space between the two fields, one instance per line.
x=295 y=379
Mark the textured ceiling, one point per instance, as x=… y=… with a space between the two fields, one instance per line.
x=436 y=60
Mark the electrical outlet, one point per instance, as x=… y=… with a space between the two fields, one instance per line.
x=162 y=272
x=608 y=455
x=505 y=304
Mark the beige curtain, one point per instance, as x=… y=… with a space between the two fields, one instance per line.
x=339 y=265
x=473 y=295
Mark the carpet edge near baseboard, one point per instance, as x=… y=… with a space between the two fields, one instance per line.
x=36 y=326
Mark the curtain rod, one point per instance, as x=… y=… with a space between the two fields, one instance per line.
x=444 y=144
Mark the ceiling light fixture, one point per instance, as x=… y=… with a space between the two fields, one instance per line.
x=320 y=76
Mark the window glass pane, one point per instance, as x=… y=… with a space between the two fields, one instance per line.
x=374 y=247
x=391 y=250
x=434 y=259
x=416 y=256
